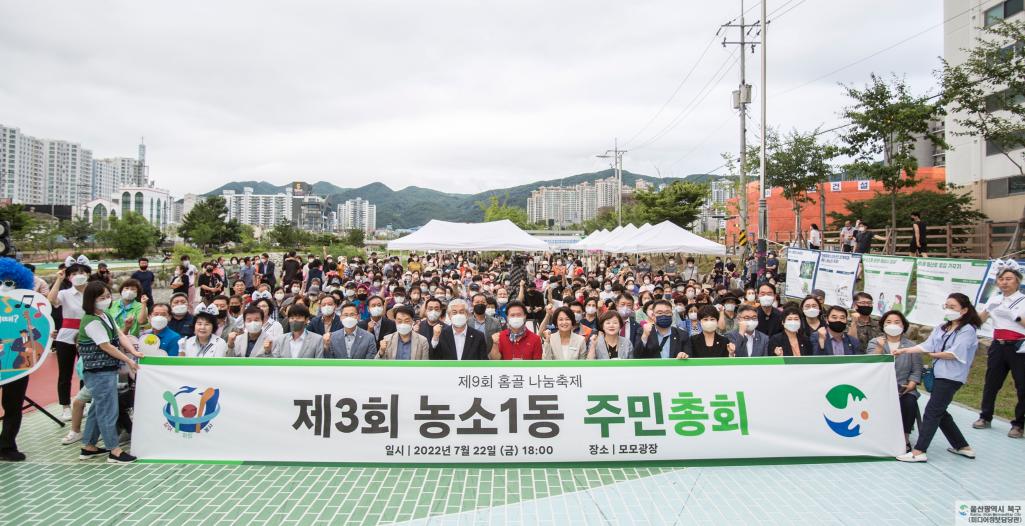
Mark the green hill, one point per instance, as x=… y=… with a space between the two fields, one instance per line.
x=413 y=206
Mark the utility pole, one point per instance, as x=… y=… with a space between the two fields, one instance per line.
x=617 y=164
x=741 y=98
x=762 y=213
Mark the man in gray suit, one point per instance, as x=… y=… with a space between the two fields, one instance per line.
x=747 y=339
x=298 y=342
x=351 y=341
x=482 y=322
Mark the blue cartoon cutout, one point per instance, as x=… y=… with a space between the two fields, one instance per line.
x=25 y=329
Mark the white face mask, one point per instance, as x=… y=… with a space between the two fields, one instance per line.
x=279 y=296
x=490 y=311
x=516 y=322
x=692 y=315
x=158 y=322
x=765 y=301
x=433 y=315
x=399 y=300
x=792 y=325
x=103 y=304
x=812 y=312
x=79 y=279
x=709 y=325
x=690 y=294
x=893 y=329
x=253 y=327
x=180 y=310
x=750 y=297
x=128 y=295
x=590 y=310
x=730 y=307
x=502 y=301
x=750 y=325
x=459 y=320
x=404 y=328
x=349 y=322
x=376 y=311
x=327 y=310
x=951 y=315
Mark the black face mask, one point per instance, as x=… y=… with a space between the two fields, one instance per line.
x=864 y=310
x=837 y=326
x=234 y=309
x=479 y=309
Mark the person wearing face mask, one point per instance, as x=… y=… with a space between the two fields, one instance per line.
x=145 y=277
x=670 y=266
x=833 y=340
x=1007 y=350
x=129 y=312
x=488 y=325
x=404 y=343
x=710 y=344
x=209 y=283
x=789 y=342
x=158 y=321
x=458 y=341
x=297 y=342
x=952 y=347
x=751 y=297
x=590 y=319
x=747 y=340
x=327 y=320
x=630 y=329
x=813 y=317
x=247 y=340
x=362 y=294
x=535 y=302
x=770 y=322
x=689 y=319
x=225 y=323
x=397 y=297
x=235 y=306
x=660 y=339
x=99 y=344
x=516 y=342
x=70 y=302
x=181 y=319
x=728 y=313
x=352 y=342
x=862 y=327
x=690 y=270
x=433 y=312
x=265 y=270
x=502 y=298
x=377 y=324
x=908 y=366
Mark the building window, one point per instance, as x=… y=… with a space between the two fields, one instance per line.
x=138 y=203
x=1005 y=187
x=1003 y=10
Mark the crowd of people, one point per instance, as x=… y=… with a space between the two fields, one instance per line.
x=451 y=306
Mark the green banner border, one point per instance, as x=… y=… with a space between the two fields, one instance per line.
x=693 y=362
x=693 y=463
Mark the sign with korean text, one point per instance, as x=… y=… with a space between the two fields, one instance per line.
x=937 y=278
x=887 y=279
x=835 y=275
x=428 y=412
x=801 y=265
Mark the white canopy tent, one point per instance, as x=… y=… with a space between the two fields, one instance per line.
x=666 y=237
x=624 y=232
x=492 y=236
x=583 y=244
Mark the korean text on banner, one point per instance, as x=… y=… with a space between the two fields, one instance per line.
x=936 y=279
x=801 y=265
x=342 y=411
x=888 y=279
x=835 y=276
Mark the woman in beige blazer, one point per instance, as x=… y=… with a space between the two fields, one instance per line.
x=564 y=344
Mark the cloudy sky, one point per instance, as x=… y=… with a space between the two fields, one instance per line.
x=459 y=96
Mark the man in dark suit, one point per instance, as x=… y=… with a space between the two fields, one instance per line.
x=458 y=341
x=834 y=340
x=631 y=329
x=378 y=324
x=747 y=333
x=664 y=341
x=265 y=268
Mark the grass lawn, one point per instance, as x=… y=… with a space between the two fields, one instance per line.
x=971 y=393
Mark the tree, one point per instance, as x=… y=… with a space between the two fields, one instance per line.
x=207 y=226
x=355 y=238
x=495 y=211
x=985 y=93
x=680 y=203
x=796 y=164
x=285 y=234
x=77 y=230
x=947 y=206
x=21 y=221
x=130 y=236
x=886 y=119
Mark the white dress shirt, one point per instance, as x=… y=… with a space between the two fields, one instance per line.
x=460 y=338
x=295 y=345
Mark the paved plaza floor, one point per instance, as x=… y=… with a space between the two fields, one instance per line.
x=53 y=487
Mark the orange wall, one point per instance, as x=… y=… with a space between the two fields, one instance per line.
x=780 y=211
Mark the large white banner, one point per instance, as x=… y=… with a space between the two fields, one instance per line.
x=367 y=412
x=888 y=279
x=801 y=265
x=936 y=279
x=835 y=276
x=987 y=290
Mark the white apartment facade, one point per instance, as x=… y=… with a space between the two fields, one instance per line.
x=357 y=214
